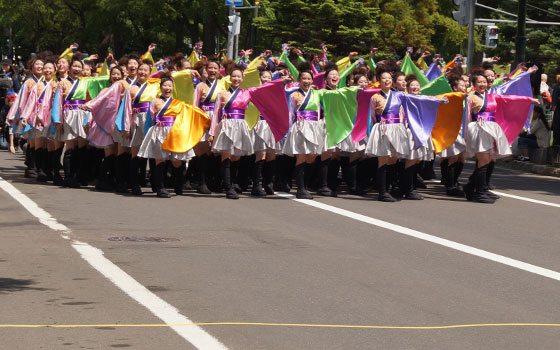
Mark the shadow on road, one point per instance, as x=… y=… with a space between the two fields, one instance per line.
x=8 y=285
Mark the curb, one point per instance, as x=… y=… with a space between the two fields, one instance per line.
x=529 y=167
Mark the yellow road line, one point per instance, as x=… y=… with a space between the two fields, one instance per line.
x=282 y=325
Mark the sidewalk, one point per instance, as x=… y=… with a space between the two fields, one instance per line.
x=546 y=170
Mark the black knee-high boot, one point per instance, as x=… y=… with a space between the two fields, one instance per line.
x=381 y=181
x=407 y=185
x=451 y=181
x=142 y=180
x=40 y=163
x=121 y=172
x=257 y=190
x=480 y=193
x=352 y=179
x=83 y=165
x=56 y=166
x=458 y=170
x=391 y=178
x=104 y=182
x=159 y=180
x=201 y=174
x=243 y=172
x=70 y=162
x=489 y=173
x=30 y=171
x=47 y=164
x=332 y=176
x=234 y=174
x=134 y=176
x=152 y=172
x=300 y=175
x=443 y=169
x=178 y=179
x=225 y=172
x=324 y=189
x=268 y=173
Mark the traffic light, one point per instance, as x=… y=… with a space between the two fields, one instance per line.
x=234 y=24
x=462 y=15
x=491 y=36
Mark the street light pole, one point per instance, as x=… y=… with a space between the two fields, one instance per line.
x=230 y=37
x=470 y=49
x=520 y=38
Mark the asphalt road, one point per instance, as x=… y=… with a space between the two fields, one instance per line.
x=277 y=260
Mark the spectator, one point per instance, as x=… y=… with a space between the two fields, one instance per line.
x=9 y=80
x=556 y=117
x=4 y=128
x=538 y=137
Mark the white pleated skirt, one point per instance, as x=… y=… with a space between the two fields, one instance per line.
x=151 y=146
x=233 y=135
x=388 y=140
x=424 y=152
x=487 y=136
x=458 y=147
x=305 y=137
x=348 y=146
x=263 y=138
x=74 y=124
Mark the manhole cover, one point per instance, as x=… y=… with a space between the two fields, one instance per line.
x=142 y=239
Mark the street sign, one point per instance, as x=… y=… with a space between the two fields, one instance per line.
x=234 y=2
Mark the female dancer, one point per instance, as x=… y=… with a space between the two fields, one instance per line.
x=485 y=138
x=265 y=147
x=232 y=138
x=205 y=97
x=389 y=137
x=165 y=110
x=306 y=136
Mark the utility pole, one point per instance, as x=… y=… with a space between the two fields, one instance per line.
x=253 y=26
x=470 y=49
x=520 y=38
x=231 y=36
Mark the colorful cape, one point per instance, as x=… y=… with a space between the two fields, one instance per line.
x=433 y=72
x=36 y=112
x=340 y=107
x=270 y=100
x=421 y=112
x=104 y=110
x=519 y=86
x=190 y=125
x=362 y=116
x=448 y=121
x=408 y=67
x=438 y=86
x=511 y=114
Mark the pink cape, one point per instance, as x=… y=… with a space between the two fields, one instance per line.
x=271 y=102
x=512 y=113
x=104 y=110
x=359 y=131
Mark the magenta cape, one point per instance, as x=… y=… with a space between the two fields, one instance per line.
x=511 y=114
x=271 y=102
x=362 y=117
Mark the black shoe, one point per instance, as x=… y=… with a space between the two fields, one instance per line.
x=455 y=192
x=137 y=190
x=30 y=173
x=72 y=182
x=232 y=194
x=162 y=193
x=122 y=188
x=42 y=177
x=237 y=189
x=386 y=197
x=325 y=191
x=269 y=189
x=357 y=192
x=419 y=183
x=397 y=194
x=491 y=187
x=303 y=194
x=281 y=187
x=104 y=186
x=469 y=191
x=482 y=197
x=203 y=189
x=413 y=195
x=258 y=192
x=58 y=180
x=492 y=195
x=187 y=186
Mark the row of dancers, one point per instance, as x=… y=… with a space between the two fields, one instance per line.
x=268 y=125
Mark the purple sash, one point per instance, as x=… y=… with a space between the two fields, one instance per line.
x=307 y=115
x=140 y=107
x=234 y=114
x=389 y=119
x=73 y=104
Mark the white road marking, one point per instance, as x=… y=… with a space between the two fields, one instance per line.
x=429 y=238
x=94 y=256
x=527 y=199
